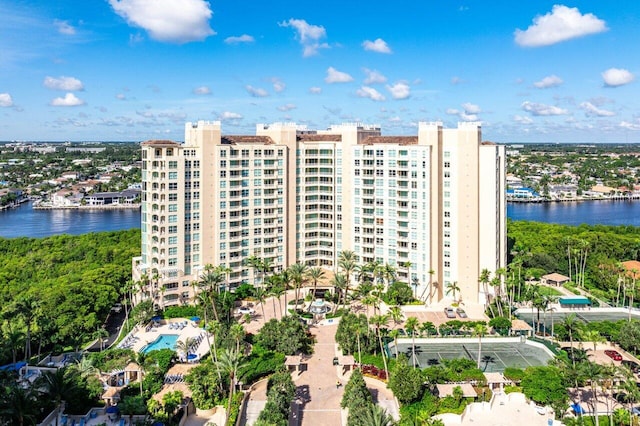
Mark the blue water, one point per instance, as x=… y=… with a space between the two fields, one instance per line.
x=27 y=222
x=577 y=213
x=164 y=341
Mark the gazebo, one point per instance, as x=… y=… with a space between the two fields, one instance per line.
x=496 y=381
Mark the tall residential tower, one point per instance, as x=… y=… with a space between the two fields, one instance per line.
x=431 y=205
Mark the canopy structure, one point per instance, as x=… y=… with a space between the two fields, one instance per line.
x=574 y=300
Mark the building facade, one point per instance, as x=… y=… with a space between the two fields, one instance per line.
x=432 y=206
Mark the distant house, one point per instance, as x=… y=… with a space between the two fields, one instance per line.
x=563 y=191
x=554 y=279
x=66 y=198
x=127 y=196
x=70 y=176
x=523 y=193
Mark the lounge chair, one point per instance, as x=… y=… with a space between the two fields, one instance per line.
x=122 y=422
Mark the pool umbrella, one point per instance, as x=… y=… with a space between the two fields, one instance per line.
x=577 y=408
x=112 y=409
x=195 y=319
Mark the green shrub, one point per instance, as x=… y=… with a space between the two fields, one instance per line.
x=180 y=312
x=512 y=373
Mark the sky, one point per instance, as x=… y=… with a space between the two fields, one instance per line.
x=133 y=70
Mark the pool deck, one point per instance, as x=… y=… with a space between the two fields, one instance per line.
x=143 y=336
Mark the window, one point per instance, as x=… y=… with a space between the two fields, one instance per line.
x=447 y=264
x=173 y=175
x=173 y=207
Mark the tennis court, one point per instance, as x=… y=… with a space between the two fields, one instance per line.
x=587 y=315
x=494 y=357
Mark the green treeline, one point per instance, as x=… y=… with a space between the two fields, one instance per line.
x=590 y=255
x=56 y=292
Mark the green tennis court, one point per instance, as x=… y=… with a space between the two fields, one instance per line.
x=494 y=357
x=550 y=319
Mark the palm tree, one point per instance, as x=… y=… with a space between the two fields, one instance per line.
x=255 y=263
x=100 y=334
x=27 y=308
x=298 y=272
x=19 y=406
x=593 y=372
x=260 y=293
x=453 y=289
x=484 y=279
x=378 y=321
x=570 y=324
x=237 y=332
x=59 y=386
x=347 y=262
x=211 y=281
x=592 y=336
x=14 y=339
x=394 y=335
x=411 y=324
x=214 y=327
x=375 y=415
x=229 y=362
x=479 y=330
x=185 y=346
x=315 y=274
x=388 y=274
x=396 y=314
x=276 y=290
x=339 y=281
x=632 y=291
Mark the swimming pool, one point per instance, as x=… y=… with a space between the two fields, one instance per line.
x=164 y=341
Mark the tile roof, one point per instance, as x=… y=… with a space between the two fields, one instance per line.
x=400 y=140
x=238 y=139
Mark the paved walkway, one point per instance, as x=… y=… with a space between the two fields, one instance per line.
x=318 y=397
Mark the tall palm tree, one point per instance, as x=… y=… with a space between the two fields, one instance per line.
x=185 y=346
x=379 y=321
x=100 y=334
x=431 y=274
x=229 y=362
x=255 y=263
x=276 y=290
x=260 y=293
x=339 y=281
x=593 y=372
x=210 y=281
x=27 y=308
x=59 y=386
x=389 y=274
x=315 y=274
x=571 y=324
x=411 y=324
x=214 y=328
x=484 y=279
x=298 y=273
x=237 y=332
x=394 y=335
x=480 y=330
x=396 y=314
x=347 y=262
x=14 y=339
x=592 y=336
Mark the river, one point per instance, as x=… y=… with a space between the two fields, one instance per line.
x=26 y=222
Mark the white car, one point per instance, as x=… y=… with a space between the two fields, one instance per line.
x=243 y=310
x=117 y=308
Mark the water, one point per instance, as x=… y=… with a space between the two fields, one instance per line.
x=164 y=341
x=27 y=222
x=577 y=213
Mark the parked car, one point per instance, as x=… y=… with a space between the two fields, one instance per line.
x=449 y=312
x=461 y=313
x=633 y=366
x=117 y=308
x=614 y=355
x=243 y=310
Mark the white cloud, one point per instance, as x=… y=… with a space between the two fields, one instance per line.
x=378 y=45
x=309 y=35
x=456 y=80
x=315 y=90
x=542 y=109
x=335 y=76
x=374 y=77
x=121 y=96
x=256 y=92
x=69 y=100
x=278 y=85
x=522 y=119
x=228 y=115
x=174 y=21
x=202 y=90
x=244 y=38
x=287 y=107
x=614 y=77
x=561 y=24
x=470 y=108
x=370 y=92
x=5 y=100
x=64 y=27
x=590 y=110
x=549 y=81
x=462 y=115
x=399 y=90
x=629 y=126
x=63 y=83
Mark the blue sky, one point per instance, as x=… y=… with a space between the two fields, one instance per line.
x=139 y=69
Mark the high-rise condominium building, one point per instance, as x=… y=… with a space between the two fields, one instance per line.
x=432 y=205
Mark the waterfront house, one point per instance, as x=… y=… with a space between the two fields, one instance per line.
x=127 y=196
x=522 y=194
x=66 y=198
